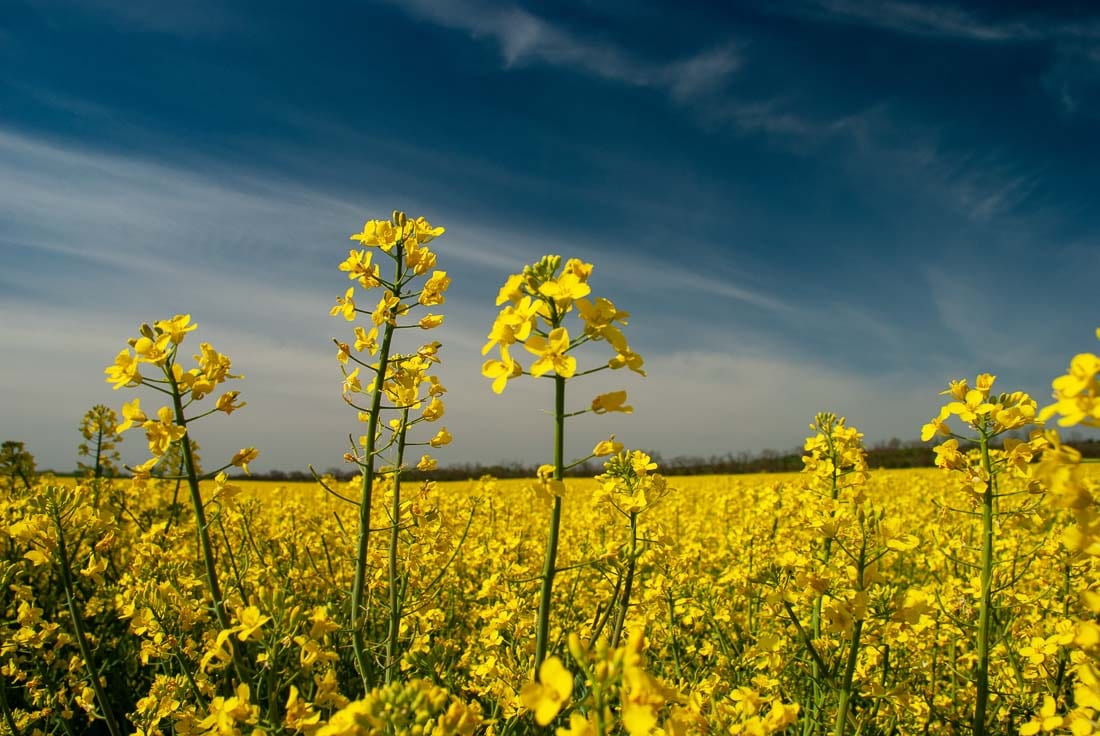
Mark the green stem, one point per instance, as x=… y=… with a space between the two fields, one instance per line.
x=548 y=569
x=358 y=583
x=844 y=697
x=78 y=627
x=620 y=619
x=985 y=618
x=200 y=521
x=395 y=605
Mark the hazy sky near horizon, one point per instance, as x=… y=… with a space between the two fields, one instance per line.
x=817 y=205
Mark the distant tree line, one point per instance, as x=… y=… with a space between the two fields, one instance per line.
x=894 y=453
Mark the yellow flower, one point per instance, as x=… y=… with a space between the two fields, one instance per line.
x=250 y=622
x=433 y=411
x=551 y=354
x=565 y=289
x=607 y=447
x=513 y=324
x=427 y=464
x=163 y=432
x=381 y=233
x=938 y=425
x=432 y=293
x=501 y=371
x=227 y=402
x=366 y=340
x=132 y=414
x=441 y=438
x=124 y=372
x=627 y=359
x=345 y=305
x=425 y=233
x=243 y=457
x=176 y=328
x=613 y=401
x=547 y=696
x=972 y=407
x=512 y=291
x=430 y=321
x=359 y=267
x=351 y=383
x=956 y=389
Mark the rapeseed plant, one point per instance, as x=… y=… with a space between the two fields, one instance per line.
x=538 y=301
x=402 y=379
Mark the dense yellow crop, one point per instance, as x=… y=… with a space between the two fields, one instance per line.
x=719 y=554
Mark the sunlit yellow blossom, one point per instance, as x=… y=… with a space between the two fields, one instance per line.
x=433 y=411
x=441 y=438
x=432 y=293
x=359 y=268
x=512 y=291
x=243 y=457
x=162 y=432
x=427 y=464
x=124 y=372
x=513 y=324
x=366 y=340
x=578 y=268
x=430 y=321
x=972 y=407
x=957 y=390
x=345 y=305
x=565 y=289
x=132 y=414
x=552 y=691
x=389 y=306
x=177 y=327
x=351 y=382
x=628 y=359
x=1077 y=393
x=551 y=354
x=613 y=401
x=607 y=447
x=381 y=233
x=501 y=371
x=227 y=402
x=424 y=231
x=938 y=425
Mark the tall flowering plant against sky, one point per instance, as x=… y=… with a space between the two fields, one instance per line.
x=378 y=379
x=156 y=349
x=981 y=475
x=537 y=303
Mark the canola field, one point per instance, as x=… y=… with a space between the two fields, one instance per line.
x=171 y=598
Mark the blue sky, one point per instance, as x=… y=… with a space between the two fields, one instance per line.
x=821 y=205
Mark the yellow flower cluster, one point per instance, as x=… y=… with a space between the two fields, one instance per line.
x=538 y=300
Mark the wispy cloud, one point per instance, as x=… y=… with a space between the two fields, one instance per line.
x=946 y=20
x=526 y=38
x=924 y=19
